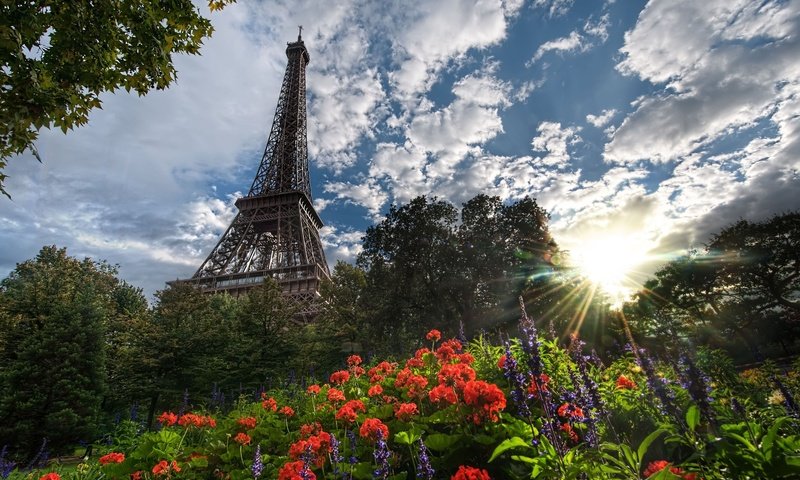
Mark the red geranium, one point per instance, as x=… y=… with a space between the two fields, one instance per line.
x=375 y=390
x=434 y=335
x=369 y=429
x=50 y=476
x=442 y=395
x=112 y=457
x=567 y=428
x=163 y=467
x=318 y=445
x=242 y=438
x=270 y=404
x=294 y=471
x=501 y=362
x=349 y=411
x=534 y=387
x=248 y=423
x=137 y=475
x=625 y=383
x=658 y=465
x=571 y=411
x=313 y=389
x=340 y=377
x=486 y=398
x=287 y=411
x=353 y=360
x=404 y=411
x=456 y=375
x=470 y=473
x=335 y=395
x=168 y=419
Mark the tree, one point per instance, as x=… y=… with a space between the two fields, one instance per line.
x=54 y=311
x=743 y=289
x=425 y=270
x=58 y=58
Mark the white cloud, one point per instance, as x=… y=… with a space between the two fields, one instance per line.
x=575 y=42
x=367 y=194
x=553 y=139
x=340 y=244
x=555 y=8
x=601 y=120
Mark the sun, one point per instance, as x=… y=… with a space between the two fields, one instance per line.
x=610 y=261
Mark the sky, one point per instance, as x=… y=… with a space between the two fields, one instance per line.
x=642 y=127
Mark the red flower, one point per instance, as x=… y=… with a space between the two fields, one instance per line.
x=486 y=398
x=414 y=383
x=501 y=362
x=112 y=457
x=294 y=471
x=567 y=428
x=168 y=419
x=242 y=438
x=163 y=467
x=349 y=411
x=248 y=423
x=340 y=377
x=374 y=390
x=270 y=404
x=369 y=429
x=313 y=389
x=658 y=465
x=534 y=387
x=310 y=429
x=287 y=411
x=353 y=360
x=466 y=358
x=470 y=473
x=434 y=335
x=194 y=420
x=571 y=411
x=418 y=361
x=137 y=475
x=318 y=445
x=357 y=371
x=456 y=375
x=404 y=411
x=335 y=395
x=625 y=383
x=50 y=476
x=442 y=395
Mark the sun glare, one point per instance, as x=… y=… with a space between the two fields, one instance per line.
x=610 y=262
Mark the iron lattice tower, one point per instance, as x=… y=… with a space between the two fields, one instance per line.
x=276 y=231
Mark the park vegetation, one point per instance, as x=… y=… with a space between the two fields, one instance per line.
x=478 y=340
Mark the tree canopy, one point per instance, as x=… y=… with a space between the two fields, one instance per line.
x=58 y=57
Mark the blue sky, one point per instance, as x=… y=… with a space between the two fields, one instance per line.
x=641 y=126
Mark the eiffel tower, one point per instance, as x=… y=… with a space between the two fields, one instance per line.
x=276 y=232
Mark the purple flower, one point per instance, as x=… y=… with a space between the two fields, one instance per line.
x=657 y=385
x=696 y=382
x=351 y=437
x=788 y=398
x=336 y=457
x=6 y=466
x=258 y=465
x=424 y=468
x=517 y=383
x=307 y=457
x=381 y=455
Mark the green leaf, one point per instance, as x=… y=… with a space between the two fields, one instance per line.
x=769 y=438
x=508 y=444
x=693 y=417
x=645 y=445
x=440 y=442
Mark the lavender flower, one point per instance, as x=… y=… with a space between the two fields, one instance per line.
x=381 y=455
x=306 y=457
x=788 y=398
x=336 y=457
x=134 y=413
x=424 y=468
x=462 y=337
x=657 y=385
x=697 y=384
x=258 y=465
x=6 y=465
x=351 y=437
x=185 y=403
x=737 y=408
x=517 y=383
x=40 y=459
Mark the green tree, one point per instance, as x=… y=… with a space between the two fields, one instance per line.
x=58 y=57
x=741 y=292
x=54 y=311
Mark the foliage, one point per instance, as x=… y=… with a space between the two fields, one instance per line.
x=426 y=269
x=59 y=57
x=54 y=311
x=528 y=409
x=744 y=286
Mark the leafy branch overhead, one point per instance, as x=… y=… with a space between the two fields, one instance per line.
x=59 y=56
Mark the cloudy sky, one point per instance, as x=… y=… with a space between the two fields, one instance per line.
x=641 y=126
